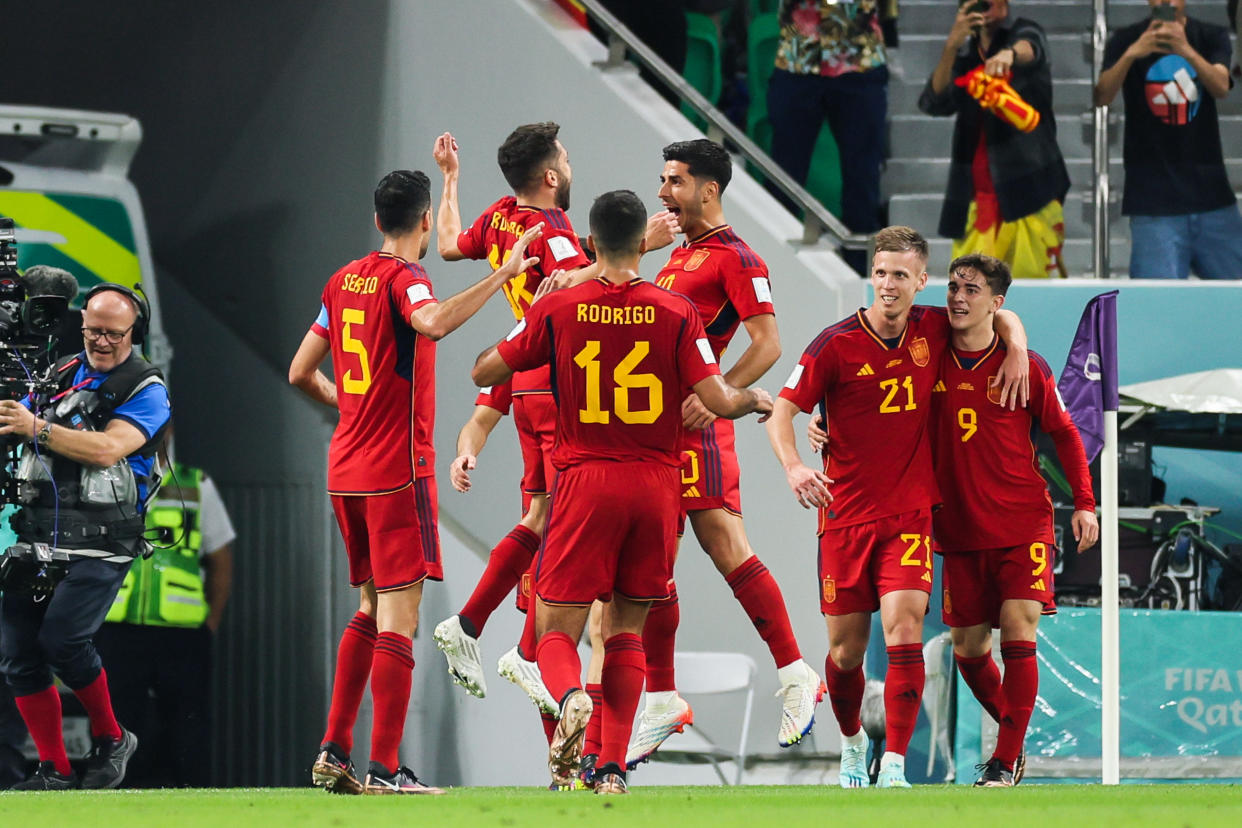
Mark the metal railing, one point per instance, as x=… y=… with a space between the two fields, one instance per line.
x=817 y=220
x=1099 y=152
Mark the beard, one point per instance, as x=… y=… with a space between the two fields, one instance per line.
x=562 y=193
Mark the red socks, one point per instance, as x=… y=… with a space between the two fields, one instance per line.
x=98 y=704
x=549 y=725
x=1018 y=690
x=984 y=681
x=392 y=673
x=592 y=743
x=659 y=640
x=353 y=668
x=903 y=689
x=845 y=691
x=505 y=566
x=41 y=712
x=757 y=592
x=624 y=669
x=527 y=644
x=557 y=655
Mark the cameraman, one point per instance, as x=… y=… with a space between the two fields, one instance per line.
x=111 y=406
x=1006 y=187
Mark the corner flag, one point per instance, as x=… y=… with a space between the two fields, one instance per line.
x=1088 y=384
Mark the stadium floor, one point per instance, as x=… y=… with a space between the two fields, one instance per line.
x=685 y=807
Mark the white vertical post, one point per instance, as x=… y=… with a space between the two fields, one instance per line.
x=1110 y=632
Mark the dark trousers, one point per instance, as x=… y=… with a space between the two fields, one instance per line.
x=38 y=638
x=856 y=108
x=160 y=679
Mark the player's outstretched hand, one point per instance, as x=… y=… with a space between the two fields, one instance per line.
x=694 y=415
x=1086 y=529
x=556 y=280
x=816 y=433
x=459 y=472
x=763 y=404
x=517 y=261
x=445 y=153
x=1014 y=379
x=808 y=485
x=662 y=230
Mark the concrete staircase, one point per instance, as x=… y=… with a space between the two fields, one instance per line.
x=915 y=175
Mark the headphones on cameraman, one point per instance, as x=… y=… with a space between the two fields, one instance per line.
x=143 y=321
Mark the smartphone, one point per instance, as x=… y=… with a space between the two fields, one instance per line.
x=981 y=6
x=1164 y=12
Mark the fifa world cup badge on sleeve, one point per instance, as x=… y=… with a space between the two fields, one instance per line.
x=919 y=352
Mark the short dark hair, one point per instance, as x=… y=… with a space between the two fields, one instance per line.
x=526 y=153
x=992 y=269
x=898 y=238
x=401 y=199
x=618 y=221
x=704 y=159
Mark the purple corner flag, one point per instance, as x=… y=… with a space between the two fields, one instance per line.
x=1088 y=384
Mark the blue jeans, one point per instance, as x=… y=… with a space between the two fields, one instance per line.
x=1169 y=247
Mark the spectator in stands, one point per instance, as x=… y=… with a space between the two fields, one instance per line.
x=832 y=63
x=1183 y=214
x=1006 y=186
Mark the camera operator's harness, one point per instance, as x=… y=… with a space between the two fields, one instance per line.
x=80 y=510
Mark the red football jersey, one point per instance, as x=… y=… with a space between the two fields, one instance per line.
x=725 y=280
x=499 y=397
x=985 y=459
x=877 y=397
x=385 y=375
x=492 y=237
x=623 y=358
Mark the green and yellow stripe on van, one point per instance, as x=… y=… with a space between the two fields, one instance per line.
x=98 y=241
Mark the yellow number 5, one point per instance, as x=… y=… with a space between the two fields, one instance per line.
x=352 y=384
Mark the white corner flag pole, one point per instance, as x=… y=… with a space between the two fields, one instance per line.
x=1110 y=627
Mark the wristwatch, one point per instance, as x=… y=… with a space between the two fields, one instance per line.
x=45 y=434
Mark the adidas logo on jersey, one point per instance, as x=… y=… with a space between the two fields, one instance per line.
x=693 y=491
x=939 y=386
x=927 y=577
x=865 y=371
x=1038 y=586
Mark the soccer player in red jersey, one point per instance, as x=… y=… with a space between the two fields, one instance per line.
x=728 y=284
x=995 y=528
x=536 y=166
x=874 y=372
x=380 y=321
x=622 y=351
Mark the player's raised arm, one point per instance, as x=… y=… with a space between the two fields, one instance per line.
x=808 y=485
x=448 y=216
x=1014 y=376
x=435 y=320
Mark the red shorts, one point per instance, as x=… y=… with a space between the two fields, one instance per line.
x=612 y=526
x=392 y=539
x=977 y=583
x=534 y=415
x=710 y=477
x=859 y=563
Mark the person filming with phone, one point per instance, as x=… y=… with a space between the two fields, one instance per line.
x=1007 y=178
x=1171 y=69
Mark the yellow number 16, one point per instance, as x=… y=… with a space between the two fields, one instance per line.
x=588 y=360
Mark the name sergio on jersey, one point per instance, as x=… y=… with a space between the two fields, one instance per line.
x=353 y=283
x=607 y=315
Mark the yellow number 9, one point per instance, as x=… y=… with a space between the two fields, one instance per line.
x=1039 y=557
x=968 y=420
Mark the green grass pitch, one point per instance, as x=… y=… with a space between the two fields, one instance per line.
x=1078 y=806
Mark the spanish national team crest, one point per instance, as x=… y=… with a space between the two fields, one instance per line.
x=696 y=258
x=525 y=584
x=994 y=391
x=830 y=590
x=919 y=352
x=948 y=603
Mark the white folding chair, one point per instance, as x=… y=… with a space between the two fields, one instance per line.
x=701 y=673
x=937 y=693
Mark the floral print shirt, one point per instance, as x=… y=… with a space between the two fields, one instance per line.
x=830 y=37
